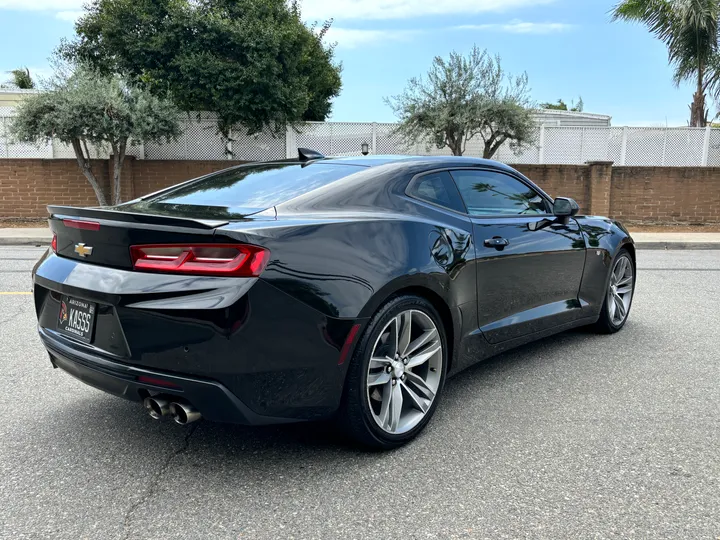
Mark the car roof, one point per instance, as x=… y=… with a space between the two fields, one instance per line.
x=435 y=161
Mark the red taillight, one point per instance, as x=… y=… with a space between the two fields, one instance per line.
x=79 y=224
x=348 y=344
x=156 y=382
x=53 y=244
x=238 y=260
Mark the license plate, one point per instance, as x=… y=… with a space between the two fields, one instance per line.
x=76 y=318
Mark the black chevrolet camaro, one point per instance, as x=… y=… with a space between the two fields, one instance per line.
x=318 y=288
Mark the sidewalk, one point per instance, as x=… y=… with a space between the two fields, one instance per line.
x=676 y=240
x=25 y=236
x=39 y=236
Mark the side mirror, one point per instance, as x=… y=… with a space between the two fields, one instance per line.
x=565 y=207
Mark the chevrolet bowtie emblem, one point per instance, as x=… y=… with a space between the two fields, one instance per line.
x=83 y=250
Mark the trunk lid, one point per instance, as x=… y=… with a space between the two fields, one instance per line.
x=104 y=237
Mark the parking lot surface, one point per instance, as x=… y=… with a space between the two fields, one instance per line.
x=576 y=436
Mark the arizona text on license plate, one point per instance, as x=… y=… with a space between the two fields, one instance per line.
x=76 y=318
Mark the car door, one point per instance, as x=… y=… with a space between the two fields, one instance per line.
x=529 y=262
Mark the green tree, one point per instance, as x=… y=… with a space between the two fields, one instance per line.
x=689 y=29
x=253 y=62
x=20 y=78
x=562 y=106
x=92 y=109
x=464 y=97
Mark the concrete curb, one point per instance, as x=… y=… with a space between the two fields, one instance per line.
x=19 y=241
x=670 y=246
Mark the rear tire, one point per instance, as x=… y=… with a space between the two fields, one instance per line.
x=396 y=375
x=618 y=294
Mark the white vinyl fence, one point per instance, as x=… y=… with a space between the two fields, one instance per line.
x=553 y=144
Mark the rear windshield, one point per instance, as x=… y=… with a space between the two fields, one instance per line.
x=242 y=191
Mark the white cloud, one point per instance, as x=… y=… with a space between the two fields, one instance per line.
x=42 y=5
x=65 y=10
x=71 y=16
x=519 y=27
x=351 y=38
x=404 y=9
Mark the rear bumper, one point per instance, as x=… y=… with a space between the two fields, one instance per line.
x=211 y=398
x=253 y=353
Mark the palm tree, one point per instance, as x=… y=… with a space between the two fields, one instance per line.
x=689 y=28
x=20 y=78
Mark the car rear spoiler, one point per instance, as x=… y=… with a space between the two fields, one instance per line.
x=62 y=212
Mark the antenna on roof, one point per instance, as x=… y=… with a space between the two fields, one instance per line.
x=305 y=154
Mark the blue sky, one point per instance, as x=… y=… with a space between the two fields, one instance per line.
x=569 y=48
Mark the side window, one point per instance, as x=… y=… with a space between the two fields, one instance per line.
x=491 y=193
x=437 y=188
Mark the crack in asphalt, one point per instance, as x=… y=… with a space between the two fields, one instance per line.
x=155 y=482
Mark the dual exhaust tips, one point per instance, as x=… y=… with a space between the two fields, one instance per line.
x=182 y=413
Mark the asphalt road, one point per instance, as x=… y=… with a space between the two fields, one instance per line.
x=577 y=436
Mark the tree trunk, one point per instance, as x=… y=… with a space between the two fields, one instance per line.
x=456 y=145
x=493 y=145
x=491 y=148
x=118 y=161
x=487 y=150
x=698 y=114
x=85 y=167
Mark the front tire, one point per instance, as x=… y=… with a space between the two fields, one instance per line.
x=618 y=295
x=396 y=375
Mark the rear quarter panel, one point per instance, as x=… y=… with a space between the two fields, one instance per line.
x=346 y=267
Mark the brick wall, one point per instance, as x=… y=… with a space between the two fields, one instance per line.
x=560 y=181
x=154 y=175
x=666 y=194
x=635 y=194
x=639 y=194
x=27 y=186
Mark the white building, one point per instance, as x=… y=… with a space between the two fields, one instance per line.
x=551 y=117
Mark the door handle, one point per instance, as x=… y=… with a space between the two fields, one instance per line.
x=497 y=242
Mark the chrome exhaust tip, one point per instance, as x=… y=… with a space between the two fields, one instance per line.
x=184 y=414
x=156 y=407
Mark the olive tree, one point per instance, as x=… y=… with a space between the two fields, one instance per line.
x=465 y=97
x=86 y=109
